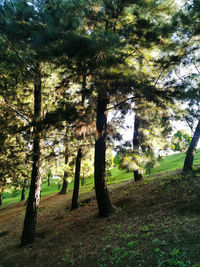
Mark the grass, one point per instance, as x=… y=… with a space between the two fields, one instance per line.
x=9 y=198
x=156 y=223
x=117 y=177
x=174 y=162
x=169 y=163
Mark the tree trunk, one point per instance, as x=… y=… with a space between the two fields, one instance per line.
x=103 y=199
x=1 y=192
x=137 y=175
x=82 y=180
x=23 y=190
x=29 y=229
x=49 y=177
x=64 y=185
x=192 y=149
x=76 y=181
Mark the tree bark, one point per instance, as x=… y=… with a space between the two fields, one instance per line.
x=137 y=175
x=48 y=181
x=76 y=181
x=29 y=229
x=103 y=199
x=23 y=190
x=83 y=180
x=192 y=149
x=1 y=192
x=65 y=183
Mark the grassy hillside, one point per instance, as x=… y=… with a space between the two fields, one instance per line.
x=155 y=223
x=171 y=162
x=174 y=162
x=116 y=177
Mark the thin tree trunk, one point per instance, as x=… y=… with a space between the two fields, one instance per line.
x=29 y=229
x=83 y=180
x=137 y=175
x=103 y=199
x=49 y=177
x=65 y=183
x=192 y=149
x=23 y=190
x=76 y=181
x=1 y=192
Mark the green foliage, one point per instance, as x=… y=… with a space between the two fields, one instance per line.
x=67 y=259
x=180 y=141
x=176 y=259
x=119 y=255
x=152 y=163
x=129 y=161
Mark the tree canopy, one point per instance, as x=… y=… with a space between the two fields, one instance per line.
x=64 y=65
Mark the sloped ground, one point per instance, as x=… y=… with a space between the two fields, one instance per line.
x=155 y=223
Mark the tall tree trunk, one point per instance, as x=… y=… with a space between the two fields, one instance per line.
x=103 y=199
x=192 y=149
x=137 y=175
x=48 y=181
x=76 y=181
x=65 y=183
x=29 y=229
x=23 y=190
x=1 y=199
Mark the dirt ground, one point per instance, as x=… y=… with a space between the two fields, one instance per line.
x=81 y=234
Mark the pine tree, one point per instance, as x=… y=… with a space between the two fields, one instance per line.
x=113 y=35
x=187 y=84
x=29 y=32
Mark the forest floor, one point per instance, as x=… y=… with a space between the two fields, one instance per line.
x=155 y=223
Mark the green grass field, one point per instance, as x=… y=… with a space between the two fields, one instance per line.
x=174 y=162
x=169 y=163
